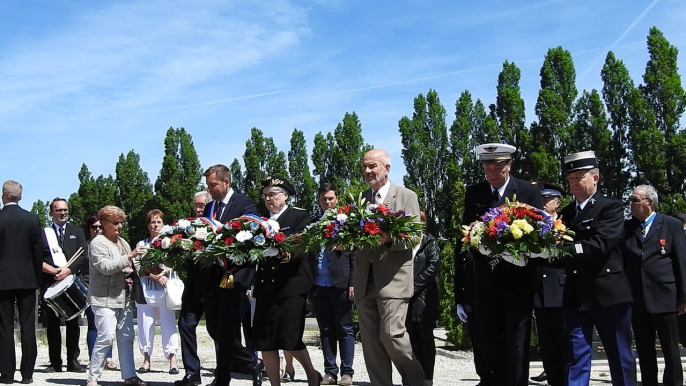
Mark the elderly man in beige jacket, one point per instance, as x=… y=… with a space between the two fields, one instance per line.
x=384 y=284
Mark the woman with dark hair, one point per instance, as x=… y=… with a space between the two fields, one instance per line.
x=281 y=289
x=94 y=229
x=423 y=309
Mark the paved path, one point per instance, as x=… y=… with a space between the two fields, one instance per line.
x=457 y=370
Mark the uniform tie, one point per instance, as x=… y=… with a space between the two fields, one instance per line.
x=60 y=236
x=496 y=196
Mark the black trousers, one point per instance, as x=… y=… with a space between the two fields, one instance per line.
x=422 y=340
x=192 y=311
x=553 y=342
x=222 y=313
x=645 y=325
x=483 y=370
x=26 y=305
x=504 y=332
x=54 y=336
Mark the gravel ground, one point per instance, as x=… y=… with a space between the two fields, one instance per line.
x=452 y=368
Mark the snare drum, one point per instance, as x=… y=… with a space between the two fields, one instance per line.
x=67 y=297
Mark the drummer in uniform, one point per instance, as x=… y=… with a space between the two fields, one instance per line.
x=61 y=241
x=548 y=301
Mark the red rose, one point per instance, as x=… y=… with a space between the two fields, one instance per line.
x=175 y=238
x=279 y=237
x=328 y=234
x=663 y=242
x=229 y=240
x=190 y=218
x=197 y=245
x=371 y=228
x=236 y=225
x=174 y=223
x=384 y=210
x=157 y=244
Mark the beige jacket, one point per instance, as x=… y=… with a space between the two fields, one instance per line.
x=393 y=269
x=107 y=281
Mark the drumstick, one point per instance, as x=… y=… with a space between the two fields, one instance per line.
x=78 y=253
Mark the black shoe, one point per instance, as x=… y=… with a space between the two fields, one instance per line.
x=173 y=371
x=6 y=380
x=540 y=377
x=144 y=370
x=76 y=367
x=53 y=369
x=188 y=381
x=288 y=377
x=256 y=372
x=27 y=381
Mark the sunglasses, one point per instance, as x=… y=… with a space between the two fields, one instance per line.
x=636 y=200
x=96 y=226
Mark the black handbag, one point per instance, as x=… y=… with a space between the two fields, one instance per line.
x=136 y=288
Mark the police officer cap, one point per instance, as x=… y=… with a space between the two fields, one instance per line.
x=583 y=160
x=495 y=152
x=549 y=190
x=279 y=182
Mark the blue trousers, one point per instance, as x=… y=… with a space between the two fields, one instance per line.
x=613 y=324
x=335 y=318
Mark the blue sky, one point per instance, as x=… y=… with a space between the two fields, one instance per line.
x=83 y=82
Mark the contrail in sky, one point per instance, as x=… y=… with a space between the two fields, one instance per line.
x=601 y=56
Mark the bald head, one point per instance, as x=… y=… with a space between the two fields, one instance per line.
x=376 y=164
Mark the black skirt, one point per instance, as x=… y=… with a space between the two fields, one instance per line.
x=279 y=324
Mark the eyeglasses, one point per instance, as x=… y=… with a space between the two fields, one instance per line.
x=271 y=195
x=61 y=210
x=96 y=226
x=636 y=200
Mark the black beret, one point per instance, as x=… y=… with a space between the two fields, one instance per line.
x=279 y=182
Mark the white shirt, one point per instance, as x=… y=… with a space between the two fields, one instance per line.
x=275 y=216
x=383 y=191
x=501 y=190
x=582 y=205
x=226 y=198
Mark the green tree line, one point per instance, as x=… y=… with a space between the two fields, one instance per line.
x=635 y=130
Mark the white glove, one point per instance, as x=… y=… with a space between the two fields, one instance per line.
x=461 y=313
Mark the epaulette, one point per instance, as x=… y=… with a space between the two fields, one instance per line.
x=296 y=208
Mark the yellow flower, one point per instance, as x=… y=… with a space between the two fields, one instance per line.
x=516 y=232
x=523 y=225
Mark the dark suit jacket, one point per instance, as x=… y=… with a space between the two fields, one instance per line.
x=73 y=239
x=21 y=249
x=276 y=279
x=550 y=284
x=199 y=280
x=658 y=281
x=478 y=200
x=595 y=269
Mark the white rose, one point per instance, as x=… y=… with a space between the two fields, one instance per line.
x=274 y=225
x=201 y=233
x=243 y=236
x=341 y=217
x=166 y=230
x=165 y=243
x=183 y=224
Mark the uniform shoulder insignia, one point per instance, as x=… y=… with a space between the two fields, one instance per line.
x=296 y=208
x=534 y=183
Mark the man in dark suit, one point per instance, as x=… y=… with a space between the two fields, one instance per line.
x=597 y=292
x=203 y=294
x=69 y=239
x=332 y=298
x=21 y=261
x=655 y=260
x=681 y=319
x=548 y=302
x=503 y=295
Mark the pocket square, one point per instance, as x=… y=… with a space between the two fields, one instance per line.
x=71 y=237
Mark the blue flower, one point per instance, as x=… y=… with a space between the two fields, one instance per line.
x=258 y=239
x=254 y=226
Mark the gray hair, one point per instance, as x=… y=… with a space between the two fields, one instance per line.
x=12 y=190
x=205 y=194
x=650 y=192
